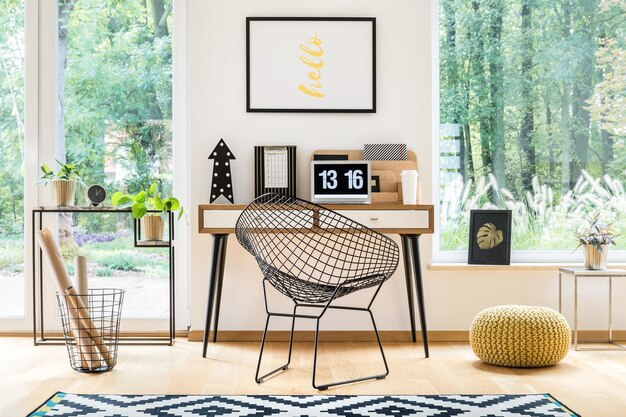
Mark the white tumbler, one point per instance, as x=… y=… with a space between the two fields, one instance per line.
x=409 y=186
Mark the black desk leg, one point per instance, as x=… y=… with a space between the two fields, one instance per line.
x=218 y=294
x=218 y=247
x=406 y=255
x=417 y=270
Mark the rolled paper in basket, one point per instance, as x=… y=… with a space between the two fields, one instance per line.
x=87 y=324
x=62 y=280
x=80 y=276
x=54 y=259
x=84 y=342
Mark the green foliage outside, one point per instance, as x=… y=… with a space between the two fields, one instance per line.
x=108 y=258
x=118 y=90
x=117 y=93
x=11 y=118
x=541 y=221
x=115 y=100
x=11 y=254
x=537 y=90
x=117 y=256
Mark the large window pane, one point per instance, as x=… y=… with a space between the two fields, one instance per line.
x=11 y=160
x=115 y=101
x=533 y=116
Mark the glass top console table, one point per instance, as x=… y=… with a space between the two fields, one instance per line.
x=40 y=336
x=577 y=273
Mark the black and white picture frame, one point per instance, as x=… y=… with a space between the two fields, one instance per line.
x=311 y=64
x=275 y=170
x=490 y=237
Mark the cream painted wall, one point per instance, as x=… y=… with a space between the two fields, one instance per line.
x=216 y=109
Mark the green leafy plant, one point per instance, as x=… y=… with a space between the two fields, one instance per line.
x=595 y=233
x=66 y=172
x=121 y=261
x=104 y=272
x=144 y=201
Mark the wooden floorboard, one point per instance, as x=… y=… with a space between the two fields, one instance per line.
x=591 y=383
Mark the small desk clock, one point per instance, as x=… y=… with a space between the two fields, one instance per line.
x=340 y=182
x=96 y=194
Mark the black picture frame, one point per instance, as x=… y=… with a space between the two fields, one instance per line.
x=260 y=185
x=251 y=109
x=375 y=183
x=500 y=254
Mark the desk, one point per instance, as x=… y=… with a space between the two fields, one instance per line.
x=579 y=273
x=408 y=221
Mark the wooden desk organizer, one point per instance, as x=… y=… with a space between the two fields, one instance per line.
x=388 y=173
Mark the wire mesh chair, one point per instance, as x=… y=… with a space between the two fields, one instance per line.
x=314 y=256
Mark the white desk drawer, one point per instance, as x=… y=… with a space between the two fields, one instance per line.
x=220 y=219
x=418 y=220
x=390 y=219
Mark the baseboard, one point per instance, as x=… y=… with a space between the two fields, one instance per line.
x=29 y=333
x=330 y=336
x=591 y=335
x=368 y=336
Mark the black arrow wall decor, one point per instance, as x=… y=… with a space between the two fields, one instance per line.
x=222 y=183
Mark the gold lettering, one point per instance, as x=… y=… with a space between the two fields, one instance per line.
x=315 y=40
x=310 y=51
x=311 y=91
x=313 y=60
x=307 y=61
x=315 y=75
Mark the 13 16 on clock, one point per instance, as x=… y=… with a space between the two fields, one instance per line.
x=340 y=182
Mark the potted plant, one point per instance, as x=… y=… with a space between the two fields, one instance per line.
x=63 y=182
x=595 y=238
x=148 y=207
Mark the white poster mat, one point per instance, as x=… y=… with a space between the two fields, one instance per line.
x=276 y=70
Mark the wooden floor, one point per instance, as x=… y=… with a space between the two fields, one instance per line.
x=591 y=383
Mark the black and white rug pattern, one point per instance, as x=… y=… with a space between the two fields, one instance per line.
x=71 y=405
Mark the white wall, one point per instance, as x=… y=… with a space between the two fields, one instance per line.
x=216 y=109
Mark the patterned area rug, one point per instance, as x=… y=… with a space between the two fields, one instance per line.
x=536 y=405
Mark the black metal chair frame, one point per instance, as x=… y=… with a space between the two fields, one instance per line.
x=325 y=305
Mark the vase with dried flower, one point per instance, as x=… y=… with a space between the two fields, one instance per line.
x=595 y=238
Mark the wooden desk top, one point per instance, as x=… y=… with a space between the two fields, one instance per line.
x=375 y=206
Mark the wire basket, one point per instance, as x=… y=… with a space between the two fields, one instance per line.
x=91 y=327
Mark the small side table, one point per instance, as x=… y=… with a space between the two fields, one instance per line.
x=586 y=273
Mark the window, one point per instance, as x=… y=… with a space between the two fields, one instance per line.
x=12 y=161
x=114 y=80
x=532 y=117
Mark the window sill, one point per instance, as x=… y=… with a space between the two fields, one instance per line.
x=513 y=267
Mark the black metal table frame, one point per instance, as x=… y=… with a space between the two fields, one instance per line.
x=37 y=272
x=412 y=272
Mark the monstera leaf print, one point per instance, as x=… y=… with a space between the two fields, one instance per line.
x=488 y=236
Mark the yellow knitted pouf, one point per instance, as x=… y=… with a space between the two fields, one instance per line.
x=520 y=336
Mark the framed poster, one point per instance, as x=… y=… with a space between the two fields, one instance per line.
x=490 y=237
x=311 y=64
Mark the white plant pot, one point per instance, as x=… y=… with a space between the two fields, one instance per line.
x=64 y=192
x=595 y=259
